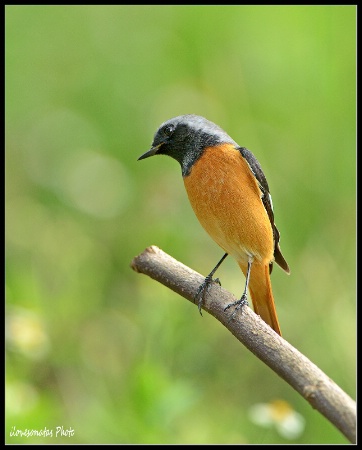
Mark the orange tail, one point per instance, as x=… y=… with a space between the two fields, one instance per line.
x=262 y=295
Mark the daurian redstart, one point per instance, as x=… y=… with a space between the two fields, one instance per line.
x=230 y=196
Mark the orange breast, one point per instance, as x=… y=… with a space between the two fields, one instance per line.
x=226 y=199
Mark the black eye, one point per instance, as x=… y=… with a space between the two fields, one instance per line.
x=168 y=130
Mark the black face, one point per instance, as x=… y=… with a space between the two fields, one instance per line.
x=184 y=138
x=170 y=138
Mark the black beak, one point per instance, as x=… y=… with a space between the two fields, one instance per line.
x=150 y=152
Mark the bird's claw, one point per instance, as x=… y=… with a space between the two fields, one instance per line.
x=238 y=304
x=200 y=295
x=217 y=281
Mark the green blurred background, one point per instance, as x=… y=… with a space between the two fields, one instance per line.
x=91 y=345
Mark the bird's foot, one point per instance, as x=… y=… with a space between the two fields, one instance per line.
x=238 y=304
x=200 y=296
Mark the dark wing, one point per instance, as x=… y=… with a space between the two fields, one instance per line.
x=267 y=202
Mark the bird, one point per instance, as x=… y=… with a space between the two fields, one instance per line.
x=230 y=196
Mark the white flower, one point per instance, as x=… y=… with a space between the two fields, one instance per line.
x=25 y=332
x=280 y=414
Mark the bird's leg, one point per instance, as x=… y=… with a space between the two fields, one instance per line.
x=205 y=285
x=240 y=303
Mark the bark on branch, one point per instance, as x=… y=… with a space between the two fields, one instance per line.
x=297 y=370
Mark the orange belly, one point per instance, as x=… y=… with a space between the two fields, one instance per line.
x=226 y=199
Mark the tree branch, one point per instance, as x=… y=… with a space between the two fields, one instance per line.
x=297 y=370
